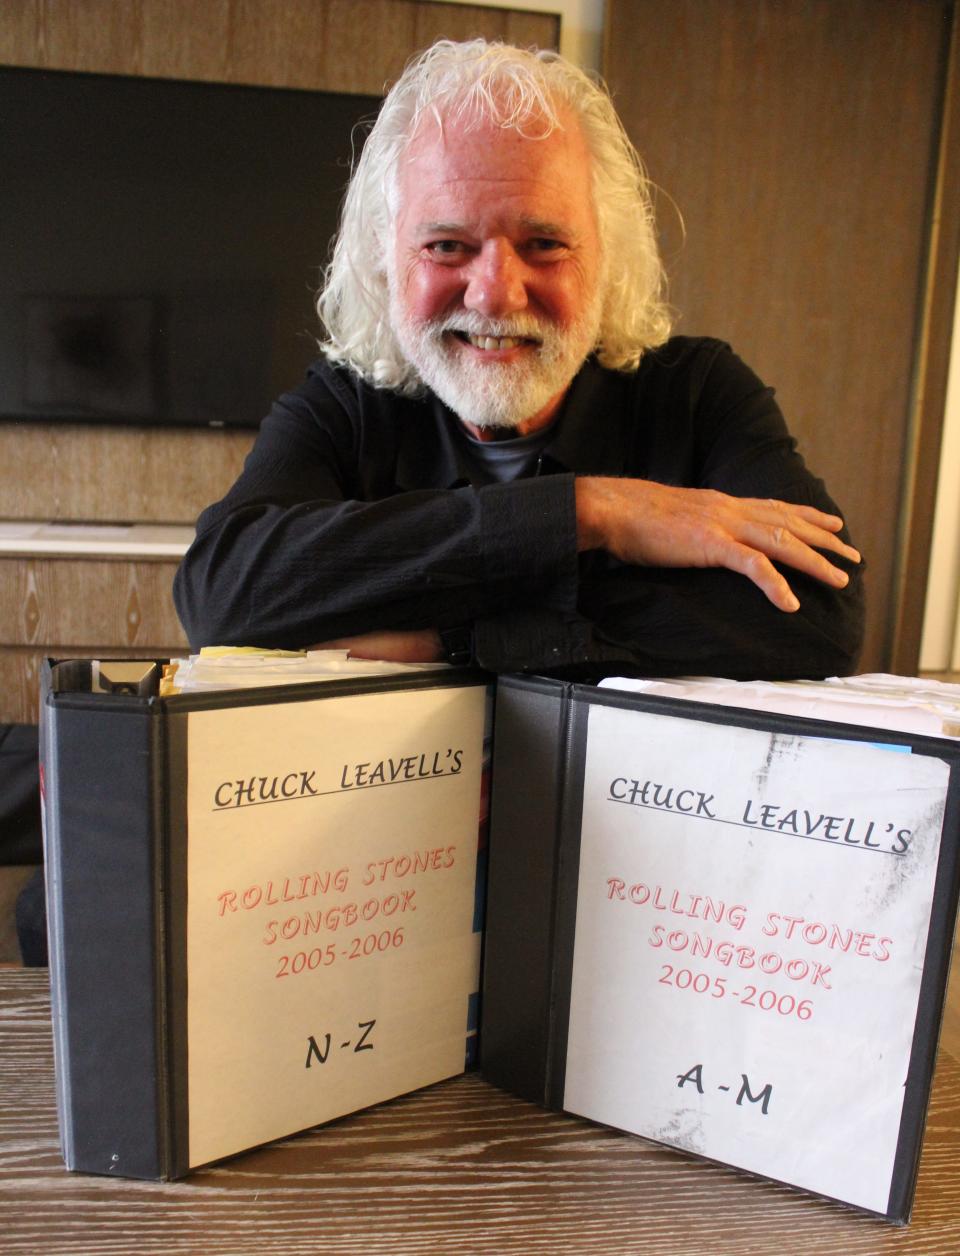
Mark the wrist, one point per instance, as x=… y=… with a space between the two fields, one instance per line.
x=588 y=496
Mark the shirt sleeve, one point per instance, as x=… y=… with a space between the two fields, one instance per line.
x=665 y=622
x=310 y=545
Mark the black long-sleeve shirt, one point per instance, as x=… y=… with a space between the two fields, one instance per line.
x=356 y=511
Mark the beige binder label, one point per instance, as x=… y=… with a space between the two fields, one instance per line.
x=331 y=952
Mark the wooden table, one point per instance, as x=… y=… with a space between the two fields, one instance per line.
x=458 y=1168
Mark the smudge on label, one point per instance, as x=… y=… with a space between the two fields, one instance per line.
x=780 y=746
x=684 y=1130
x=882 y=891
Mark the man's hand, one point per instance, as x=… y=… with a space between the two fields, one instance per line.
x=653 y=525
x=420 y=646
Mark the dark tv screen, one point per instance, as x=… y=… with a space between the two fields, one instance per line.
x=162 y=244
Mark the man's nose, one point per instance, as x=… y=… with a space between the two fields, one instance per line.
x=496 y=285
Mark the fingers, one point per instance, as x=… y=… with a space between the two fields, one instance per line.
x=758 y=568
x=812 y=526
x=831 y=523
x=650 y=524
x=797 y=551
x=757 y=533
x=796 y=539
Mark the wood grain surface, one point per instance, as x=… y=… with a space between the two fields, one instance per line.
x=457 y=1168
x=798 y=140
x=70 y=602
x=354 y=46
x=87 y=602
x=116 y=474
x=80 y=608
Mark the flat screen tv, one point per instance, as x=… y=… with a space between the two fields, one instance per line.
x=162 y=243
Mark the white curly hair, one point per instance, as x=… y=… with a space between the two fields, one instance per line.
x=526 y=90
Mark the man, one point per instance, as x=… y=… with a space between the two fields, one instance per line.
x=502 y=457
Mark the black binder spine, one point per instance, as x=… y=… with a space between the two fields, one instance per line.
x=527 y=809
x=105 y=897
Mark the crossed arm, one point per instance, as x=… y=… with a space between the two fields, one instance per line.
x=646 y=524
x=345 y=521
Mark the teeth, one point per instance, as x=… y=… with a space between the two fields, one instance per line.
x=490 y=342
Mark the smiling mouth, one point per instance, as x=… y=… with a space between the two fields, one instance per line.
x=496 y=343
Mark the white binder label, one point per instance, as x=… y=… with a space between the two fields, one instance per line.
x=752 y=920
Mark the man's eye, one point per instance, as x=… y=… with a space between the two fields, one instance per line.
x=445 y=248
x=544 y=244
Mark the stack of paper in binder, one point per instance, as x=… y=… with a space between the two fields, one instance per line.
x=728 y=929
x=263 y=903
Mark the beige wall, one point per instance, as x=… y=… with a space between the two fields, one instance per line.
x=940 y=649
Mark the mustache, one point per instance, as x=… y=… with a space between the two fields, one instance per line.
x=466 y=322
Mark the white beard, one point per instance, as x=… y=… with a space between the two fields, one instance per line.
x=495 y=394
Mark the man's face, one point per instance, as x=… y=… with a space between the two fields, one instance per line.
x=495 y=278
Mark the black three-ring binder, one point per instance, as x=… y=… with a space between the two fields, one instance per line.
x=307 y=980
x=612 y=974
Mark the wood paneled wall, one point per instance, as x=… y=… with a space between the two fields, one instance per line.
x=353 y=46
x=801 y=140
x=79 y=608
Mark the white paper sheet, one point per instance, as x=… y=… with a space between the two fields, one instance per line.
x=228 y=667
x=906 y=704
x=752 y=918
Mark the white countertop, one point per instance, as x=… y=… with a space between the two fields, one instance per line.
x=94 y=540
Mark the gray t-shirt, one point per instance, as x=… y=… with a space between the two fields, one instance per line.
x=499 y=461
